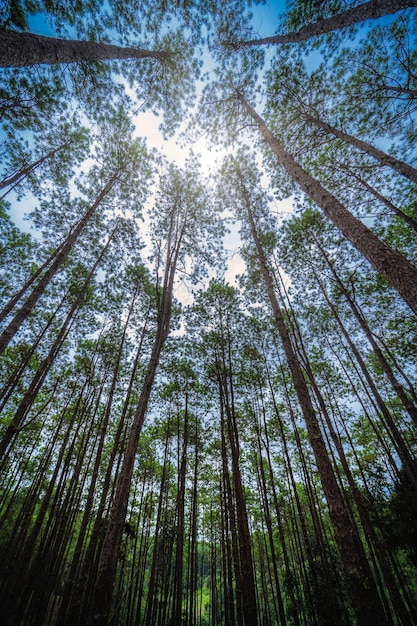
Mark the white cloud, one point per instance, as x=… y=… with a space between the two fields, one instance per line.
x=235 y=266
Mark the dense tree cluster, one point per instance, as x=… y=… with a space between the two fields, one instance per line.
x=248 y=457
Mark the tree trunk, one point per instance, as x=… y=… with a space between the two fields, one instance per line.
x=179 y=549
x=110 y=550
x=291 y=584
x=85 y=579
x=334 y=608
x=401 y=274
x=8 y=307
x=20 y=368
x=64 y=250
x=358 y=498
x=88 y=506
x=398 y=441
x=244 y=544
x=406 y=218
x=49 y=564
x=23 y=49
x=103 y=590
x=407 y=402
x=230 y=552
x=25 y=171
x=151 y=601
x=366 y=11
x=365 y=600
x=383 y=158
x=39 y=378
x=193 y=570
x=268 y=521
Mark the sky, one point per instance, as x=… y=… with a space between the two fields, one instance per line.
x=265 y=22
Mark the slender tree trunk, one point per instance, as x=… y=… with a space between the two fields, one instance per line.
x=25 y=553
x=363 y=593
x=225 y=383
x=410 y=386
x=19 y=370
x=23 y=172
x=383 y=158
x=268 y=521
x=64 y=250
x=401 y=448
x=394 y=209
x=110 y=549
x=94 y=477
x=103 y=590
x=8 y=307
x=391 y=264
x=179 y=550
x=47 y=568
x=39 y=378
x=357 y=495
x=263 y=567
x=145 y=544
x=213 y=570
x=372 y=538
x=16 y=554
x=22 y=49
x=385 y=445
x=290 y=582
x=12 y=490
x=229 y=535
x=194 y=540
x=366 y=11
x=312 y=591
x=80 y=594
x=406 y=401
x=150 y=614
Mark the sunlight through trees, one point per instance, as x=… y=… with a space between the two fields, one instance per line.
x=208 y=342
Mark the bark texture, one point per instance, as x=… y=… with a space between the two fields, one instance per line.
x=367 y=11
x=390 y=263
x=23 y=49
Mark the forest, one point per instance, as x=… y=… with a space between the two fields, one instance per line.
x=208 y=340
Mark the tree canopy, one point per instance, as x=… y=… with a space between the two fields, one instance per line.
x=208 y=382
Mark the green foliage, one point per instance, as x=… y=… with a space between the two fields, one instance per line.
x=398 y=512
x=223 y=437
